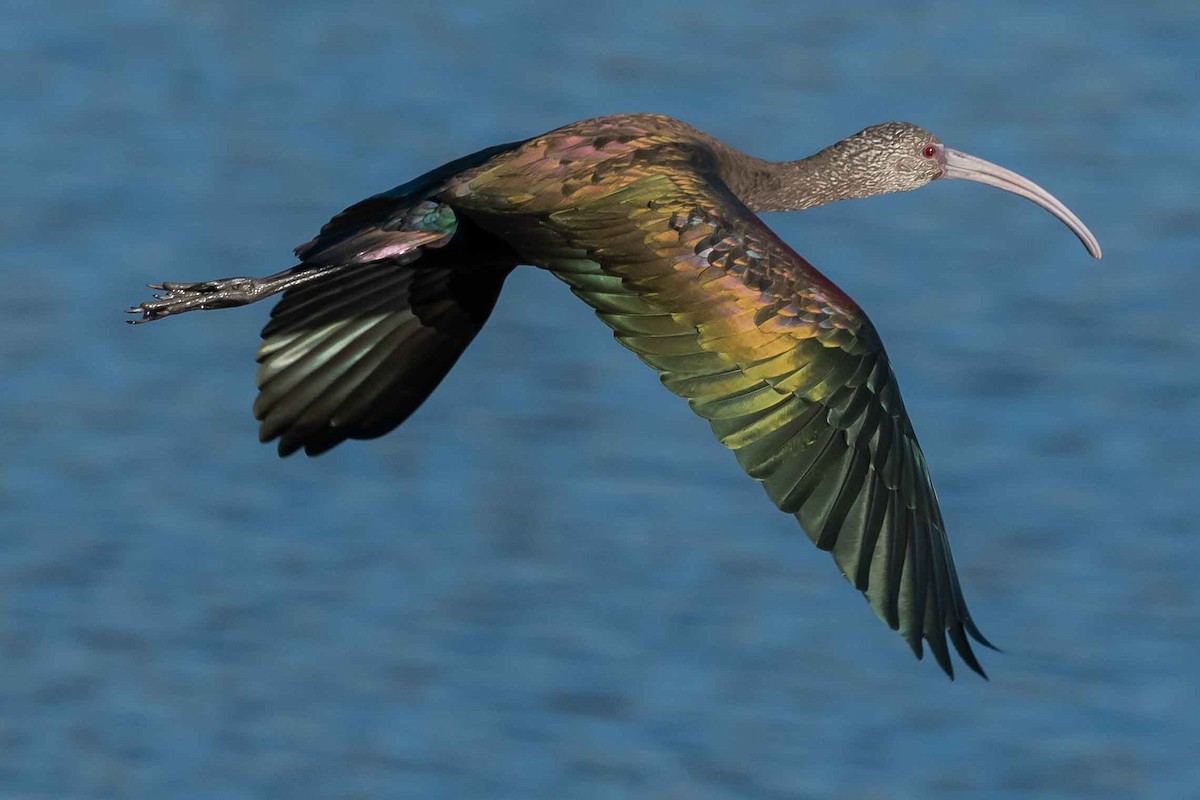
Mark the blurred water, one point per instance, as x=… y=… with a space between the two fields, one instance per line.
x=551 y=582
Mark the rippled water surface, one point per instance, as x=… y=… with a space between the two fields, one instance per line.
x=551 y=582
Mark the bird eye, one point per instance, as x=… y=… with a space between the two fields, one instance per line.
x=930 y=151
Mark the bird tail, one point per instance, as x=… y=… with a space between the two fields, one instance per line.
x=353 y=355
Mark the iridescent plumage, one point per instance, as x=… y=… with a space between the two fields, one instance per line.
x=650 y=222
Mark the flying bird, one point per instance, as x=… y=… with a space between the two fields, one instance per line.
x=653 y=224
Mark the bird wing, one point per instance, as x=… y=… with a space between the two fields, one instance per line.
x=352 y=355
x=787 y=369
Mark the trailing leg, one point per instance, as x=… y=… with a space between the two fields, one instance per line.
x=223 y=293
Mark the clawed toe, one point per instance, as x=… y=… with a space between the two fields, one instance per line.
x=176 y=299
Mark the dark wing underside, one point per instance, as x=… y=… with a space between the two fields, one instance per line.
x=787 y=369
x=353 y=355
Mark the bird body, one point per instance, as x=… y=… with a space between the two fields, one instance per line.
x=650 y=222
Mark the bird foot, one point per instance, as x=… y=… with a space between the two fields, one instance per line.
x=176 y=298
x=180 y=297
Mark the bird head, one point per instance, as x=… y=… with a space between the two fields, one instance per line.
x=900 y=157
x=890 y=157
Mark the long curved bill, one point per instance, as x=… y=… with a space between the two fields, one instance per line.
x=961 y=165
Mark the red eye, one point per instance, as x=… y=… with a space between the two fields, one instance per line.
x=930 y=151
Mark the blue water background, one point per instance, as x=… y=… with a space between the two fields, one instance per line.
x=551 y=582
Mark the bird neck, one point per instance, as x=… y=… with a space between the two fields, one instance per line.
x=824 y=177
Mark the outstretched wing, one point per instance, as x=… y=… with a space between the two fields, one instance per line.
x=787 y=369
x=352 y=355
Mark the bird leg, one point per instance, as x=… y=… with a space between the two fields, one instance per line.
x=223 y=293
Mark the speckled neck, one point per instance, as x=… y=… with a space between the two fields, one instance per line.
x=825 y=177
